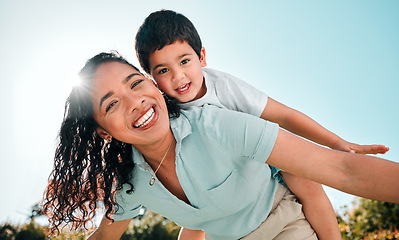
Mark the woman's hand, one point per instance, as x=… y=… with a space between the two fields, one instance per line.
x=189 y=234
x=109 y=230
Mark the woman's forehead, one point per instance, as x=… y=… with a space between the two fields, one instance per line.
x=107 y=78
x=113 y=71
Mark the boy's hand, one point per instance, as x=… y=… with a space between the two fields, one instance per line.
x=345 y=146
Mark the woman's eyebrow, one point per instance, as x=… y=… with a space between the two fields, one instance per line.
x=129 y=77
x=105 y=97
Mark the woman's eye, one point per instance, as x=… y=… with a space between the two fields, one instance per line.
x=136 y=83
x=164 y=70
x=184 y=61
x=110 y=106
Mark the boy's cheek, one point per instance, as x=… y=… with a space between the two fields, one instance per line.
x=163 y=85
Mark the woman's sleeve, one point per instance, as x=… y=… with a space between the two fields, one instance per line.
x=242 y=134
x=126 y=209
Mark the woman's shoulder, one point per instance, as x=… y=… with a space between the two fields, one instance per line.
x=214 y=120
x=206 y=113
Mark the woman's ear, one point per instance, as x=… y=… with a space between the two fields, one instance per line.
x=103 y=134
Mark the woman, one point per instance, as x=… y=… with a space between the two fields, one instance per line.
x=205 y=169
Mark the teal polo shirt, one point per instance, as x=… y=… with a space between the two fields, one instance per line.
x=220 y=163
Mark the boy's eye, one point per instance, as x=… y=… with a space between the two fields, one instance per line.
x=110 y=106
x=184 y=61
x=164 y=70
x=135 y=83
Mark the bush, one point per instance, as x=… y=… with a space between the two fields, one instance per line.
x=31 y=231
x=7 y=232
x=151 y=226
x=371 y=219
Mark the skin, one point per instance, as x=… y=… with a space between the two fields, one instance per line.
x=176 y=66
x=357 y=174
x=177 y=70
x=122 y=99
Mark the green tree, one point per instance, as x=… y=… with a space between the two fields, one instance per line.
x=7 y=232
x=151 y=226
x=31 y=231
x=370 y=217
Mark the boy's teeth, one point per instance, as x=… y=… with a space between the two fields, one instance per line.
x=184 y=87
x=145 y=119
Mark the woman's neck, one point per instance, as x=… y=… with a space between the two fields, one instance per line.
x=156 y=152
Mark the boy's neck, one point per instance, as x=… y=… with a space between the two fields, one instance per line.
x=201 y=92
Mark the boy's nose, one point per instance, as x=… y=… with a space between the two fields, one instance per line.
x=178 y=75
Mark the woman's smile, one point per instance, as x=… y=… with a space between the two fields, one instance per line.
x=125 y=99
x=145 y=119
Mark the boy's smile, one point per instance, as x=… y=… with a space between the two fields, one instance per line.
x=177 y=70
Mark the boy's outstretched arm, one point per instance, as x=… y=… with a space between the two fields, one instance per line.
x=358 y=174
x=302 y=125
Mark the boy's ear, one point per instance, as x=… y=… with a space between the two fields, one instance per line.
x=103 y=134
x=203 y=59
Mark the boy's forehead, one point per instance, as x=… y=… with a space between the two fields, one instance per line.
x=174 y=49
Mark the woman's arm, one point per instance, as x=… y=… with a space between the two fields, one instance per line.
x=109 y=230
x=357 y=174
x=189 y=234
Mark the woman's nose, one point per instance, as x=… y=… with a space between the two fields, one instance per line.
x=133 y=103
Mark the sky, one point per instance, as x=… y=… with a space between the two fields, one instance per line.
x=336 y=61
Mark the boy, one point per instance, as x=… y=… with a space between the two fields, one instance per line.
x=170 y=50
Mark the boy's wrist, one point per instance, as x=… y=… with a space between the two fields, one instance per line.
x=335 y=144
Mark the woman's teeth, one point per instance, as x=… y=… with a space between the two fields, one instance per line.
x=145 y=119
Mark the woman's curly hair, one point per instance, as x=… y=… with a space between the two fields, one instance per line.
x=88 y=169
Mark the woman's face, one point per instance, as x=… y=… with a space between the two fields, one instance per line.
x=127 y=105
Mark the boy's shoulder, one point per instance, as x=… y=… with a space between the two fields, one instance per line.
x=234 y=93
x=222 y=79
x=213 y=74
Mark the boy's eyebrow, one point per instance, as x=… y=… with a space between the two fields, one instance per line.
x=184 y=54
x=157 y=66
x=108 y=94
x=179 y=57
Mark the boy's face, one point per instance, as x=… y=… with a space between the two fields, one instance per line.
x=177 y=70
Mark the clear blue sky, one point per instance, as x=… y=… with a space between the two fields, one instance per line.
x=336 y=61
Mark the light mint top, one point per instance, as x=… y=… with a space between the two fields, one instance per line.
x=220 y=163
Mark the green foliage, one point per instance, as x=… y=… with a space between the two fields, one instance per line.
x=151 y=226
x=367 y=220
x=371 y=219
x=7 y=232
x=31 y=231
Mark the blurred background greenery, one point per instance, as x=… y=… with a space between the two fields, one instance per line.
x=365 y=219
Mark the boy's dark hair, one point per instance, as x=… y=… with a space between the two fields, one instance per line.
x=162 y=28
